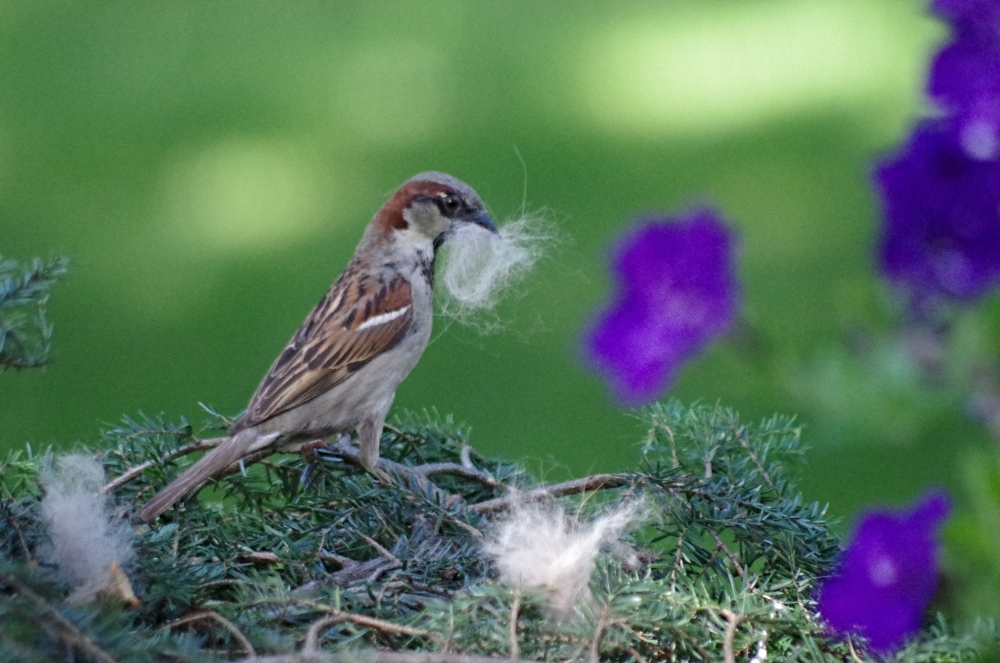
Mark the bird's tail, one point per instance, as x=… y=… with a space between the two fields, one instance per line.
x=215 y=461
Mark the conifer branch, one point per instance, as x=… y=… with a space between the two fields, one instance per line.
x=24 y=332
x=382 y=657
x=312 y=542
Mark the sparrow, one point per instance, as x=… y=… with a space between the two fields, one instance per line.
x=341 y=369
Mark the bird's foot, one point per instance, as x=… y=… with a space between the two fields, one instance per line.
x=314 y=449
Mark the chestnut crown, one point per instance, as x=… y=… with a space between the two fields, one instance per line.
x=433 y=204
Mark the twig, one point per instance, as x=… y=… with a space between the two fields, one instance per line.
x=595 y=645
x=854 y=654
x=71 y=635
x=229 y=626
x=430 y=469
x=574 y=487
x=361 y=572
x=327 y=556
x=316 y=628
x=465 y=526
x=379 y=548
x=398 y=432
x=140 y=432
x=344 y=562
x=249 y=459
x=740 y=435
x=350 y=454
x=729 y=553
x=733 y=621
x=260 y=557
x=340 y=616
x=412 y=439
x=678 y=558
x=515 y=611
x=707 y=566
x=466 y=457
x=176 y=453
x=674 y=462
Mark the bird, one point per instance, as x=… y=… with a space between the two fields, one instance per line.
x=341 y=368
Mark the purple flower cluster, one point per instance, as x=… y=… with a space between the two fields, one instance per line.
x=941 y=239
x=676 y=291
x=888 y=575
x=941 y=236
x=965 y=75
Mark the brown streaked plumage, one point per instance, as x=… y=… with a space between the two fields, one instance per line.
x=330 y=346
x=341 y=368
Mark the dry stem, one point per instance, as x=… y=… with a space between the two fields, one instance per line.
x=854 y=654
x=729 y=553
x=574 y=487
x=515 y=611
x=316 y=628
x=197 y=445
x=595 y=644
x=231 y=627
x=733 y=621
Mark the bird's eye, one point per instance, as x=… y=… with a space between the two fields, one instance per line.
x=450 y=204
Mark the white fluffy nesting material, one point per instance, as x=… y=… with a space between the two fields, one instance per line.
x=90 y=541
x=480 y=268
x=543 y=550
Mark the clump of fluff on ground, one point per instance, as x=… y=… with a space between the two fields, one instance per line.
x=89 y=540
x=541 y=549
x=481 y=267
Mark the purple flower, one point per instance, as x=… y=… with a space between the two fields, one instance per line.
x=888 y=575
x=965 y=75
x=941 y=237
x=676 y=291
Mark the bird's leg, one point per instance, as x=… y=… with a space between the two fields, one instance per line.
x=369 y=435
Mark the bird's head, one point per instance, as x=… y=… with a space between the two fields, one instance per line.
x=429 y=207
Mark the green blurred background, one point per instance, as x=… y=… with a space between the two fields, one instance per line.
x=209 y=168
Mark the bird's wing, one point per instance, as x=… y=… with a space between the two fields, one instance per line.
x=362 y=316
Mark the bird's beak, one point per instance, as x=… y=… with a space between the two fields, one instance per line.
x=483 y=219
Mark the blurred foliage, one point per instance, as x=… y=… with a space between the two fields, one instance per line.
x=973 y=542
x=726 y=555
x=210 y=169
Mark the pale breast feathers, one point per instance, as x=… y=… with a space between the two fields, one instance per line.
x=362 y=316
